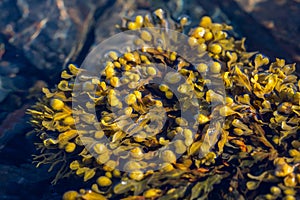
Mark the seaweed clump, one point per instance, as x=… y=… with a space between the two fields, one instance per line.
x=253 y=154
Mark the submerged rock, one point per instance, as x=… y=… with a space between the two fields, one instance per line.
x=50 y=33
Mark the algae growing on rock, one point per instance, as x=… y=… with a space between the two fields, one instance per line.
x=236 y=141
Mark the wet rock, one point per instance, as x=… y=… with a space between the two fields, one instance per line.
x=14 y=124
x=15 y=79
x=19 y=182
x=3 y=92
x=50 y=33
x=284 y=25
x=108 y=19
x=105 y=26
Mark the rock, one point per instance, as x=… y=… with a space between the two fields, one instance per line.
x=284 y=25
x=105 y=24
x=19 y=182
x=50 y=33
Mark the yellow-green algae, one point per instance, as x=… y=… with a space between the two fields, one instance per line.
x=257 y=155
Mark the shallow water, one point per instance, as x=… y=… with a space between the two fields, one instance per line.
x=38 y=39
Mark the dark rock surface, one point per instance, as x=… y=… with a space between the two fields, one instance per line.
x=50 y=33
x=281 y=18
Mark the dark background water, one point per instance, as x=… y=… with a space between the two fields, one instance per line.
x=39 y=38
